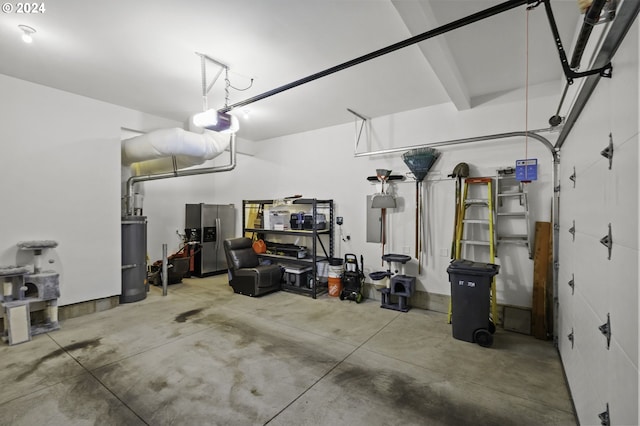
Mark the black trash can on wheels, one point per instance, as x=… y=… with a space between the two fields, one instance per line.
x=471 y=300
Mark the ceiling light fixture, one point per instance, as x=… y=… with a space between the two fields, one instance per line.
x=216 y=121
x=27 y=33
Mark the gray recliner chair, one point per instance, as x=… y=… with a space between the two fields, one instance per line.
x=248 y=277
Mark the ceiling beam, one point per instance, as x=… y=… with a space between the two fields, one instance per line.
x=418 y=16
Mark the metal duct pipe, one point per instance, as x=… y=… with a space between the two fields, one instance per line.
x=533 y=134
x=165 y=269
x=178 y=173
x=555 y=178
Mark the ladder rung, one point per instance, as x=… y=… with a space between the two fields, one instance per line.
x=475 y=243
x=513 y=214
x=511 y=194
x=481 y=221
x=476 y=201
x=514 y=238
x=478 y=180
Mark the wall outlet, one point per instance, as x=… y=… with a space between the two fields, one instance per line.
x=406 y=250
x=444 y=252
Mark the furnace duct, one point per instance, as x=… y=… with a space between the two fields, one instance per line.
x=172 y=149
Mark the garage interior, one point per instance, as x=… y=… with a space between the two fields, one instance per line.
x=119 y=117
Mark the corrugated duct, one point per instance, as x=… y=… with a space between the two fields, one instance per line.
x=172 y=149
x=168 y=153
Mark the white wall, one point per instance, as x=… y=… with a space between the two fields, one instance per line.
x=598 y=375
x=321 y=164
x=60 y=180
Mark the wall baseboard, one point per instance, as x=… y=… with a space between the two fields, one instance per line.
x=70 y=311
x=420 y=299
x=87 y=307
x=440 y=303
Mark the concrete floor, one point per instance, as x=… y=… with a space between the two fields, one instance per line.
x=203 y=355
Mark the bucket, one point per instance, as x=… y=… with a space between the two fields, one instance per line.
x=335 y=277
x=322 y=271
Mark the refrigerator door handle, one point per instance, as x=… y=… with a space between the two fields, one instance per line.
x=218 y=228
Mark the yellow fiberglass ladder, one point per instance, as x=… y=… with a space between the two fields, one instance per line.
x=475 y=227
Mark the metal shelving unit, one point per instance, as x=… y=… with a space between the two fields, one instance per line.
x=251 y=209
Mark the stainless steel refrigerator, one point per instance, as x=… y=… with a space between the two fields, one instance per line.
x=209 y=225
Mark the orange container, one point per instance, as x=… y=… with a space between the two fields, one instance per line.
x=335 y=286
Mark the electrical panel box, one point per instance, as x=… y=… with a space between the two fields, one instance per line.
x=527 y=170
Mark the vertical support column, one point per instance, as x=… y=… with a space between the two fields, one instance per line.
x=165 y=268
x=555 y=244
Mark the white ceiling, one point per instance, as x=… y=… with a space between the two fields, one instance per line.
x=141 y=54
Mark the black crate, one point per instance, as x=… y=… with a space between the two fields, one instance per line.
x=297 y=221
x=321 y=221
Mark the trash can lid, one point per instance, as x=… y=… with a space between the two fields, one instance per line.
x=470 y=267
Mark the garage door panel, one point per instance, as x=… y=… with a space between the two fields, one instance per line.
x=591 y=217
x=598 y=375
x=566 y=248
x=565 y=292
x=594 y=124
x=565 y=328
x=568 y=191
x=584 y=394
x=624 y=114
x=623 y=388
x=592 y=343
x=577 y=361
x=591 y=346
x=575 y=154
x=622 y=271
x=622 y=194
x=591 y=274
x=571 y=360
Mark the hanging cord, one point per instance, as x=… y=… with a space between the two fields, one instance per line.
x=228 y=85
x=207 y=88
x=526 y=95
x=237 y=89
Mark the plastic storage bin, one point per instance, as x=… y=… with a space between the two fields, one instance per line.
x=471 y=300
x=279 y=220
x=298 y=276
